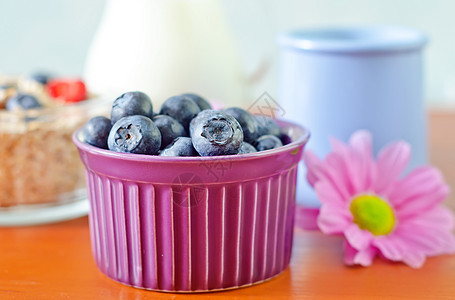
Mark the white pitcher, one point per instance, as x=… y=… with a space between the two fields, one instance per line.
x=164 y=48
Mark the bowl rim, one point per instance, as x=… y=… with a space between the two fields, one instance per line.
x=303 y=139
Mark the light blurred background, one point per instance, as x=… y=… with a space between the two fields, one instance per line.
x=55 y=35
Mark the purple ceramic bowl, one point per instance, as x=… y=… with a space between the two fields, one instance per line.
x=192 y=224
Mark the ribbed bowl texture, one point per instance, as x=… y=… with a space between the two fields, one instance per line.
x=192 y=224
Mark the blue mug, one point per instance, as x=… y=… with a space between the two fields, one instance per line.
x=337 y=80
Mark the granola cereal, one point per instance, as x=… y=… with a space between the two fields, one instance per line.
x=39 y=162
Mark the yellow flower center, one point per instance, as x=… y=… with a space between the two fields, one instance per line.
x=373 y=214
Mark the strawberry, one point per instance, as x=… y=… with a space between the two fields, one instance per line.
x=67 y=90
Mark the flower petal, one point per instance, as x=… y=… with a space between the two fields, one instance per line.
x=430 y=245
x=333 y=220
x=327 y=194
x=420 y=190
x=334 y=216
x=423 y=202
x=361 y=140
x=365 y=257
x=353 y=256
x=394 y=248
x=349 y=253
x=391 y=162
x=358 y=238
x=338 y=146
x=311 y=160
x=430 y=232
x=419 y=242
x=391 y=247
x=323 y=171
x=337 y=175
x=362 y=160
x=345 y=159
x=414 y=259
x=438 y=217
x=341 y=173
x=348 y=168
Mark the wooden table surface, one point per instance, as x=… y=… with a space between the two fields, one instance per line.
x=55 y=261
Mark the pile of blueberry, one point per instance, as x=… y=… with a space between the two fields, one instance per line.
x=185 y=126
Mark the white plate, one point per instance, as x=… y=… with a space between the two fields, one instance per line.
x=44 y=214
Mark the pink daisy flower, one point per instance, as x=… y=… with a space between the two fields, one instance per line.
x=378 y=211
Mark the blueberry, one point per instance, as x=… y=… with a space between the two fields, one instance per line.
x=181 y=108
x=247 y=148
x=247 y=121
x=267 y=142
x=216 y=133
x=285 y=139
x=201 y=102
x=181 y=146
x=96 y=131
x=170 y=129
x=22 y=101
x=130 y=104
x=135 y=134
x=267 y=126
x=39 y=77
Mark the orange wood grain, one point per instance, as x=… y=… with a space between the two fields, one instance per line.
x=55 y=261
